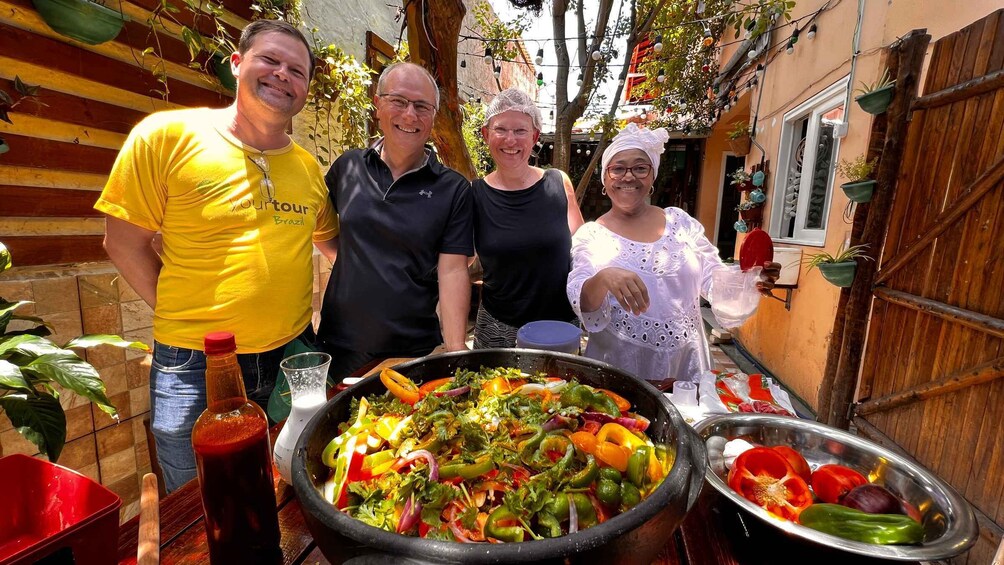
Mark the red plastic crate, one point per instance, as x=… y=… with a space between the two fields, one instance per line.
x=49 y=508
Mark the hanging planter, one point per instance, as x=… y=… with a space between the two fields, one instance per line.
x=839 y=274
x=859 y=192
x=745 y=186
x=741 y=145
x=82 y=20
x=221 y=68
x=876 y=97
x=754 y=214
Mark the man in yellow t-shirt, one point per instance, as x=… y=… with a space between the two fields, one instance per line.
x=238 y=204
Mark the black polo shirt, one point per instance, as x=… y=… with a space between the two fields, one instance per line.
x=384 y=287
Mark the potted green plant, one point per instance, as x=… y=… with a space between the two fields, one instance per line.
x=739 y=138
x=84 y=20
x=751 y=211
x=859 y=186
x=31 y=368
x=741 y=180
x=876 y=97
x=839 y=269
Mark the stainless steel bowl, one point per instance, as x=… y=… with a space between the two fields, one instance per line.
x=949 y=522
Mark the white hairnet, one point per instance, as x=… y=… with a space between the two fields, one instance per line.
x=651 y=141
x=515 y=100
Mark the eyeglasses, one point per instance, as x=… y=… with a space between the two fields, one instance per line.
x=266 y=186
x=400 y=103
x=638 y=171
x=501 y=132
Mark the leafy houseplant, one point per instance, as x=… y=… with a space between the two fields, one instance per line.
x=84 y=20
x=751 y=211
x=32 y=366
x=741 y=180
x=876 y=97
x=839 y=269
x=739 y=138
x=859 y=186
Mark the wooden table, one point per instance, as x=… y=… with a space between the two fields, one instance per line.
x=714 y=533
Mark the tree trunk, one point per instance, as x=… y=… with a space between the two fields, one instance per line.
x=433 y=38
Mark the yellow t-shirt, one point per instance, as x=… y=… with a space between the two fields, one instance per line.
x=237 y=249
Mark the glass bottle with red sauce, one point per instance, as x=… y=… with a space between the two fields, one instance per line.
x=234 y=461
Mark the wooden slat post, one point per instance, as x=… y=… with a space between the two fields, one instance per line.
x=959 y=380
x=908 y=59
x=433 y=32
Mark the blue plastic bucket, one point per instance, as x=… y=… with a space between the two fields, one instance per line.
x=550 y=335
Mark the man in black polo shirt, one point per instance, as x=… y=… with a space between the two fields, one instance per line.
x=406 y=235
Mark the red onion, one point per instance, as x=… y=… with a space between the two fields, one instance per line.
x=573 y=515
x=454 y=391
x=410 y=515
x=557 y=422
x=632 y=423
x=873 y=499
x=420 y=454
x=597 y=417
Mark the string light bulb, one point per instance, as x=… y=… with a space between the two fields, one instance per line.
x=488 y=54
x=794 y=36
x=661 y=77
x=597 y=55
x=498 y=71
x=811 y=34
x=760 y=69
x=463 y=63
x=751 y=54
x=578 y=150
x=708 y=40
x=790 y=48
x=658 y=44
x=540 y=79
x=578 y=81
x=539 y=59
x=589 y=152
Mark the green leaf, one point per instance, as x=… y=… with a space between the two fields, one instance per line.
x=73 y=373
x=40 y=419
x=25 y=89
x=91 y=340
x=4 y=116
x=27 y=344
x=11 y=377
x=5 y=98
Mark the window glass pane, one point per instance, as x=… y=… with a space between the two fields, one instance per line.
x=815 y=217
x=793 y=177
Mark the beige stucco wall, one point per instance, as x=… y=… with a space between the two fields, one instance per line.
x=793 y=344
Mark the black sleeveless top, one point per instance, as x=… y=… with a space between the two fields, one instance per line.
x=525 y=248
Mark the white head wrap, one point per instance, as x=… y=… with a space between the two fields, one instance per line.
x=515 y=100
x=651 y=141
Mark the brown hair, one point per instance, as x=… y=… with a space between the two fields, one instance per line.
x=258 y=27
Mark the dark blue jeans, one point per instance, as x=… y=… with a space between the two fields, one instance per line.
x=178 y=397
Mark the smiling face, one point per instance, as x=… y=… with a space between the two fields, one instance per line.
x=273 y=74
x=405 y=129
x=510 y=136
x=628 y=193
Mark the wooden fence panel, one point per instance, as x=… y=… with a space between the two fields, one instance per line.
x=954 y=151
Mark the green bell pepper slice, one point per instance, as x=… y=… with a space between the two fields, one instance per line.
x=586 y=476
x=466 y=470
x=853 y=524
x=494 y=529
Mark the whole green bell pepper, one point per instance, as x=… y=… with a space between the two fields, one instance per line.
x=852 y=524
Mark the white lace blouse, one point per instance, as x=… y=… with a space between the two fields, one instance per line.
x=668 y=340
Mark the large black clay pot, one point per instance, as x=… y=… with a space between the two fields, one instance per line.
x=635 y=536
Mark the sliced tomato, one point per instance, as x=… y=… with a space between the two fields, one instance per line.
x=400 y=386
x=832 y=482
x=795 y=459
x=764 y=477
x=432 y=385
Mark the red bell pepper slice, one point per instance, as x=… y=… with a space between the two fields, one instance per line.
x=764 y=477
x=832 y=482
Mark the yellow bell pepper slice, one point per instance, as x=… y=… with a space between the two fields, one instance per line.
x=400 y=386
x=618 y=434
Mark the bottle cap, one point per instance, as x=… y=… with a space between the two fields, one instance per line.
x=217 y=343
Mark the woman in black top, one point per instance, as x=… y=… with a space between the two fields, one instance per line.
x=524 y=218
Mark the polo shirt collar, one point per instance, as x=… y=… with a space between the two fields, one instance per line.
x=431 y=158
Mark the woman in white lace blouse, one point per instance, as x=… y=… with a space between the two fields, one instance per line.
x=638 y=271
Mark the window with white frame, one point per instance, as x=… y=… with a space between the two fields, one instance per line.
x=803 y=183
